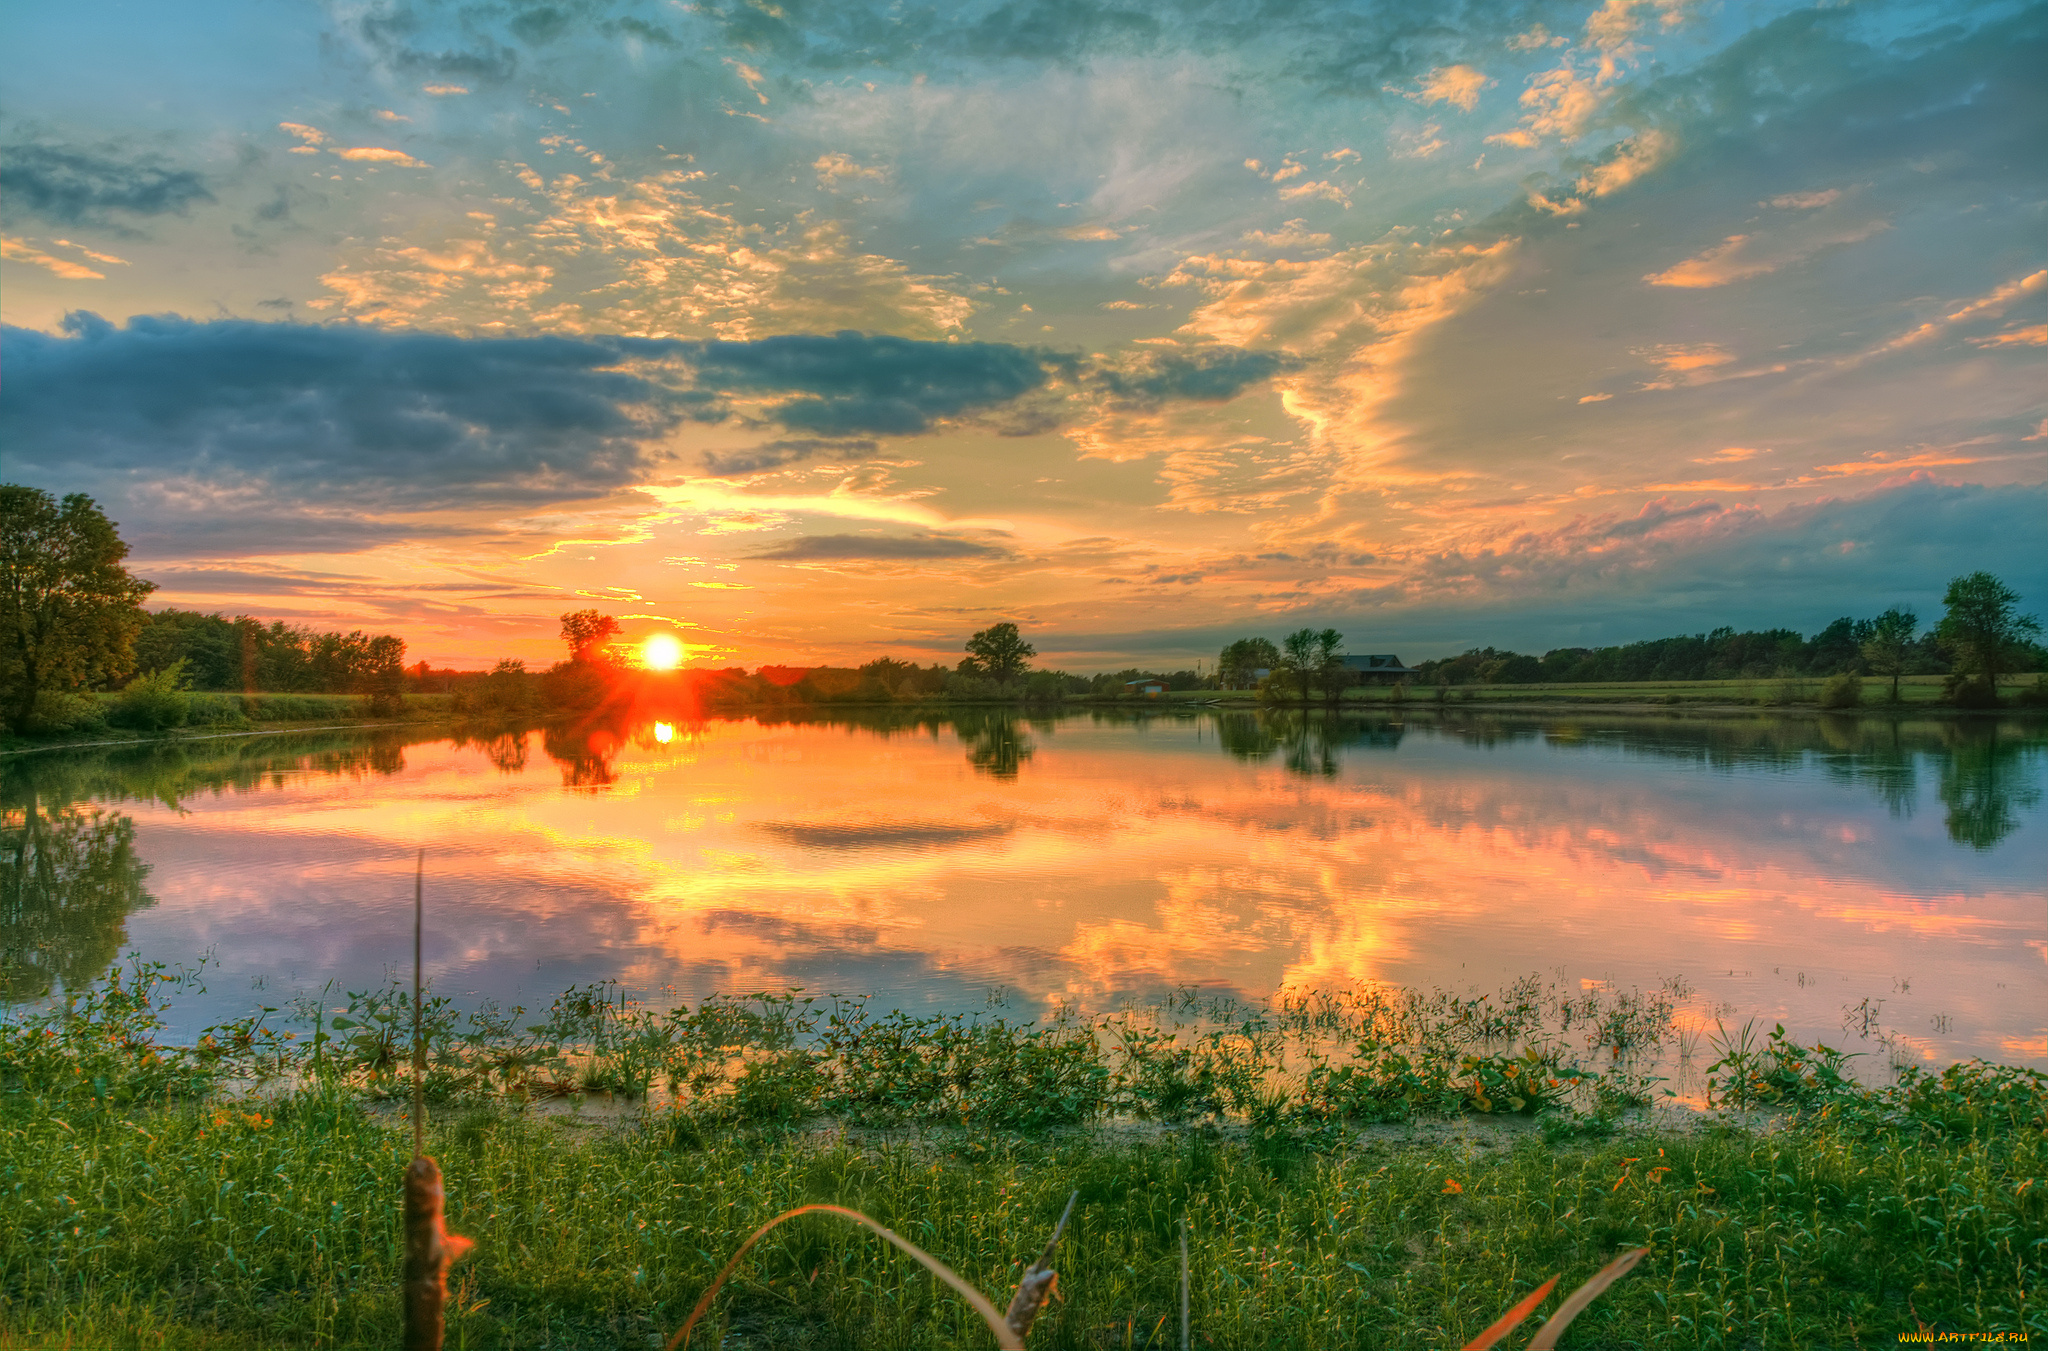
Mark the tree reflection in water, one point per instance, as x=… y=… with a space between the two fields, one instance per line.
x=1987 y=779
x=996 y=745
x=68 y=879
x=584 y=752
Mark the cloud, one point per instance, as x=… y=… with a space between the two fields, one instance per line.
x=852 y=383
x=21 y=251
x=1803 y=201
x=1991 y=305
x=778 y=454
x=376 y=418
x=835 y=169
x=1675 y=566
x=371 y=154
x=1152 y=376
x=1536 y=39
x=875 y=548
x=1680 y=359
x=1323 y=189
x=1626 y=162
x=1295 y=234
x=74 y=186
x=1740 y=257
x=1416 y=142
x=1458 y=86
x=2035 y=335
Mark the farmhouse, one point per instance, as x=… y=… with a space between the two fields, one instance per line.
x=1378 y=666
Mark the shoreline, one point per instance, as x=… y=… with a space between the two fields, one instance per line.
x=1079 y=704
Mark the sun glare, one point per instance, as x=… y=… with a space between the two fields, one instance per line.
x=661 y=652
x=664 y=733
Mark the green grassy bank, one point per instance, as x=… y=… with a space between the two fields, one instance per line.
x=1384 y=1169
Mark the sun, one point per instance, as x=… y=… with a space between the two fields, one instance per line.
x=661 y=652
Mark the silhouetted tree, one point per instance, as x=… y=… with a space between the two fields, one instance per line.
x=588 y=633
x=1000 y=652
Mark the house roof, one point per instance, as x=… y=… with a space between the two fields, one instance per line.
x=1385 y=661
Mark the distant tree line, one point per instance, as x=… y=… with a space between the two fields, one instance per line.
x=1979 y=640
x=246 y=654
x=72 y=623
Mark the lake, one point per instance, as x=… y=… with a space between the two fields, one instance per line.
x=1783 y=869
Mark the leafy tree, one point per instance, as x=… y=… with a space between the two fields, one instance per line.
x=1001 y=651
x=1302 y=654
x=1238 y=661
x=588 y=633
x=1981 y=631
x=1890 y=644
x=1330 y=667
x=380 y=673
x=69 y=611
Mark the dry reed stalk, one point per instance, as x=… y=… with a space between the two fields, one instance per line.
x=1574 y=1305
x=1005 y=1338
x=1546 y=1337
x=429 y=1248
x=1507 y=1322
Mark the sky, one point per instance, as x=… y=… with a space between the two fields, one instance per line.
x=823 y=329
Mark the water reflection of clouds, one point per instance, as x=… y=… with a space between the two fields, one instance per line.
x=1109 y=860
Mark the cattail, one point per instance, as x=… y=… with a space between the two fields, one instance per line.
x=1039 y=1283
x=429 y=1248
x=429 y=1251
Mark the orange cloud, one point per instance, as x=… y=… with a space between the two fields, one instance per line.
x=1459 y=86
x=378 y=155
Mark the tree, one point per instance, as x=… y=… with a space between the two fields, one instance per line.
x=1001 y=651
x=1238 y=663
x=69 y=611
x=1890 y=644
x=588 y=633
x=380 y=674
x=1298 y=657
x=1980 y=630
x=1330 y=668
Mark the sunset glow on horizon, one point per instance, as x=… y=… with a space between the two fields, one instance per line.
x=822 y=333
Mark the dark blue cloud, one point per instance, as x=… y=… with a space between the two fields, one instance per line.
x=853 y=383
x=775 y=454
x=361 y=416
x=850 y=548
x=74 y=186
x=377 y=420
x=1205 y=375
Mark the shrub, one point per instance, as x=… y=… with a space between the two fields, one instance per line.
x=155 y=700
x=1842 y=691
x=1971 y=693
x=59 y=712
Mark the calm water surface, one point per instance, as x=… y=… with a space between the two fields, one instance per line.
x=1785 y=869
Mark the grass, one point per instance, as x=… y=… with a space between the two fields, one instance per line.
x=243 y=1193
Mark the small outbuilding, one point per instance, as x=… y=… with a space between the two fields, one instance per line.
x=1151 y=689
